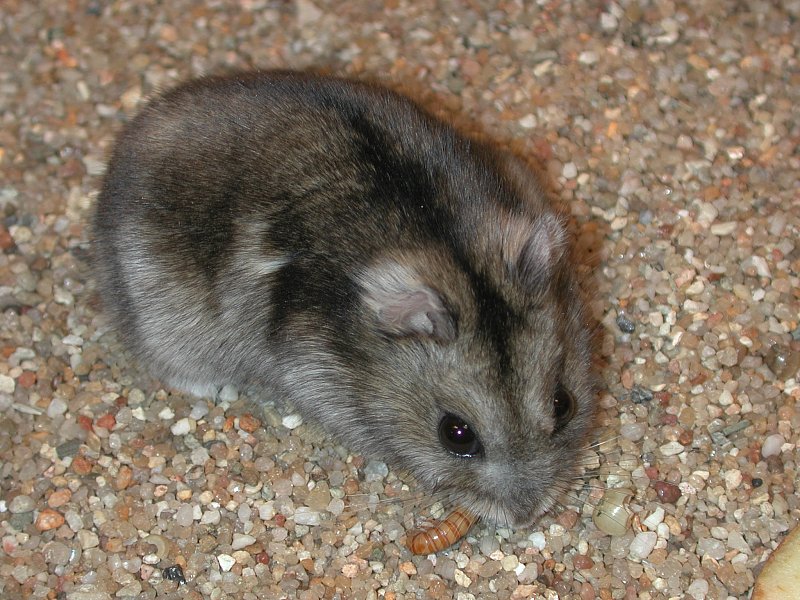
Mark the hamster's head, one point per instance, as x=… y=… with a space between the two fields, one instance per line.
x=483 y=388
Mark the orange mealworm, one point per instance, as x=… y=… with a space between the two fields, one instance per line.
x=441 y=534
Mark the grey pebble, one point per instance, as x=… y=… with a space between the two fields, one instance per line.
x=640 y=395
x=68 y=448
x=21 y=504
x=625 y=324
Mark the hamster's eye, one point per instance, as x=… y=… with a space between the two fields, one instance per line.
x=458 y=437
x=563 y=406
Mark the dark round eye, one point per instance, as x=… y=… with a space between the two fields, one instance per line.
x=458 y=437
x=563 y=406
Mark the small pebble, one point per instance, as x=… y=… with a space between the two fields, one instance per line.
x=7 y=384
x=643 y=544
x=175 y=573
x=21 y=504
x=49 y=519
x=671 y=449
x=633 y=431
x=640 y=395
x=249 y=423
x=772 y=445
x=181 y=427
x=625 y=324
x=698 y=589
x=226 y=562
x=242 y=541
x=667 y=492
x=228 y=394
x=292 y=421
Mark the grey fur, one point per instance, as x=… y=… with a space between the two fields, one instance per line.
x=329 y=242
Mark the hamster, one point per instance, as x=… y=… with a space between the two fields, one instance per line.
x=328 y=243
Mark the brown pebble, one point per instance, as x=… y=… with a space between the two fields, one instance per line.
x=686 y=437
x=581 y=561
x=523 y=591
x=667 y=492
x=567 y=519
x=262 y=558
x=6 y=241
x=112 y=545
x=81 y=465
x=49 y=519
x=26 y=379
x=124 y=477
x=107 y=421
x=350 y=487
x=249 y=423
x=587 y=591
x=59 y=497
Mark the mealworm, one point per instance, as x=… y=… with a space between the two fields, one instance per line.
x=441 y=534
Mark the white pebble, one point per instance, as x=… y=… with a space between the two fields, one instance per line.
x=72 y=340
x=56 y=407
x=181 y=427
x=538 y=540
x=633 y=431
x=671 y=449
x=733 y=479
x=462 y=579
x=608 y=22
x=707 y=214
x=226 y=562
x=199 y=410
x=305 y=516
x=510 y=563
x=587 y=57
x=570 y=170
x=292 y=421
x=528 y=122
x=761 y=266
x=241 y=540
x=726 y=398
x=62 y=296
x=228 y=394
x=695 y=288
x=7 y=384
x=266 y=511
x=654 y=519
x=166 y=413
x=772 y=445
x=643 y=544
x=698 y=589
x=725 y=228
x=210 y=517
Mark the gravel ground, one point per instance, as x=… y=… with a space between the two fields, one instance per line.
x=671 y=134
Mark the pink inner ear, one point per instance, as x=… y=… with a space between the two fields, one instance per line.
x=404 y=305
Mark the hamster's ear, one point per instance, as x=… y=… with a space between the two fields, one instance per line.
x=534 y=252
x=403 y=305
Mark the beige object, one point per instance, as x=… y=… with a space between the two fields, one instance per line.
x=780 y=577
